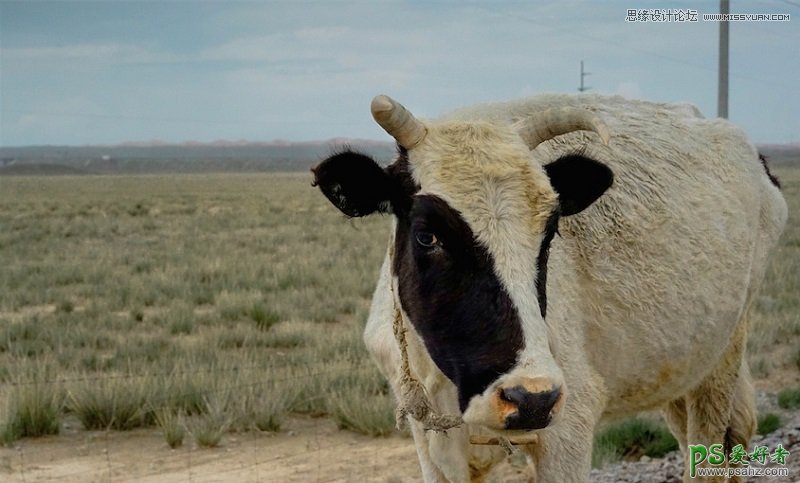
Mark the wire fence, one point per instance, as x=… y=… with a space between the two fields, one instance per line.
x=172 y=373
x=307 y=448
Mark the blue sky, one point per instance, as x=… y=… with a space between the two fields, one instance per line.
x=106 y=72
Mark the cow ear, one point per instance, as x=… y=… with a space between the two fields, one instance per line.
x=354 y=183
x=579 y=182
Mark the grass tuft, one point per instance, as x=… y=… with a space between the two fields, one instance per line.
x=66 y=306
x=120 y=403
x=789 y=398
x=263 y=407
x=768 y=423
x=631 y=439
x=363 y=405
x=172 y=424
x=208 y=428
x=182 y=323
x=263 y=317
x=34 y=409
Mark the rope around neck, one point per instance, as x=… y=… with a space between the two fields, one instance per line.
x=414 y=400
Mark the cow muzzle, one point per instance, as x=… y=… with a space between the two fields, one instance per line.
x=528 y=410
x=517 y=403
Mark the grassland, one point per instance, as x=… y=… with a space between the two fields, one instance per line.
x=206 y=304
x=227 y=300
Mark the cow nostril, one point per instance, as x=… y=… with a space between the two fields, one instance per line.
x=553 y=397
x=534 y=410
x=516 y=395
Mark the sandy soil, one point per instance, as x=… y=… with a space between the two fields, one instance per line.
x=308 y=450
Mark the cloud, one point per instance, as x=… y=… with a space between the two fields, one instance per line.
x=101 y=52
x=57 y=120
x=301 y=70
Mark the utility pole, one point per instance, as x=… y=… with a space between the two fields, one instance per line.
x=583 y=74
x=722 y=90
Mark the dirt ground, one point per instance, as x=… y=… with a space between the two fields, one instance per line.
x=307 y=450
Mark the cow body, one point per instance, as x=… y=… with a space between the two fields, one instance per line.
x=646 y=290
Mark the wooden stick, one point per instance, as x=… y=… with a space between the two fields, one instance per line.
x=494 y=440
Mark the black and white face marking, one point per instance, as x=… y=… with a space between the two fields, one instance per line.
x=448 y=284
x=550 y=230
x=450 y=291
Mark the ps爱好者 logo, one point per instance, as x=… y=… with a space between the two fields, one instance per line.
x=752 y=464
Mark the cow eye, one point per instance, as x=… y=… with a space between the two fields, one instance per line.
x=427 y=239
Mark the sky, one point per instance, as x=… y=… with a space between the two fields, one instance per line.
x=108 y=72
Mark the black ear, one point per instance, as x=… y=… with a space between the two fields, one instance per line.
x=354 y=183
x=579 y=181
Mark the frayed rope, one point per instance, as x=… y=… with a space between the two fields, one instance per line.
x=414 y=401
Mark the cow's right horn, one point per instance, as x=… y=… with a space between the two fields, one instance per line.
x=398 y=122
x=555 y=122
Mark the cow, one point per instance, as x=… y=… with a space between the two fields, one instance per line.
x=562 y=261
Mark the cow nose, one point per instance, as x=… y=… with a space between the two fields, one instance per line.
x=529 y=410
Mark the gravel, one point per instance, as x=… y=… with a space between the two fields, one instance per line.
x=670 y=467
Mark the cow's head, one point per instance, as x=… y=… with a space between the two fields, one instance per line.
x=475 y=213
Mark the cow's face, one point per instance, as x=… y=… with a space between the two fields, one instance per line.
x=474 y=218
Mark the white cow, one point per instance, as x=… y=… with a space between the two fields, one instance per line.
x=561 y=261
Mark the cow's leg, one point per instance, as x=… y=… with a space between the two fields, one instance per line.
x=563 y=455
x=564 y=451
x=430 y=472
x=711 y=415
x=482 y=458
x=674 y=415
x=743 y=417
x=447 y=457
x=743 y=414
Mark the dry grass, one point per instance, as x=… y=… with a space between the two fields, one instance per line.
x=33 y=405
x=775 y=320
x=227 y=301
x=157 y=296
x=172 y=425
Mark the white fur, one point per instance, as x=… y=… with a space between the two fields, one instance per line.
x=647 y=288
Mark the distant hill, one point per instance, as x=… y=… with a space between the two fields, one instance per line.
x=781 y=154
x=221 y=156
x=157 y=157
x=35 y=169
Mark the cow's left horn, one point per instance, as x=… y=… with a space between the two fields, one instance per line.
x=398 y=122
x=555 y=122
